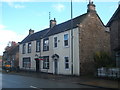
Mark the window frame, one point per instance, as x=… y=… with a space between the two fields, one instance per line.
x=55 y=42
x=26 y=62
x=66 y=40
x=29 y=47
x=46 y=45
x=38 y=46
x=67 y=66
x=24 y=48
x=46 y=62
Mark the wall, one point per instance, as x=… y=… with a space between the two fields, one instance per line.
x=93 y=38
x=61 y=50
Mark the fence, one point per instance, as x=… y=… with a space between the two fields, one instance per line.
x=108 y=72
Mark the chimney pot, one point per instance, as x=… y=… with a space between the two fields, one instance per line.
x=52 y=23
x=31 y=31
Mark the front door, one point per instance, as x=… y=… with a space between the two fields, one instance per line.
x=37 y=65
x=55 y=66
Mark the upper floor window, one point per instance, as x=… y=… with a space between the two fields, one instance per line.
x=46 y=44
x=66 y=63
x=46 y=62
x=38 y=46
x=29 y=47
x=23 y=48
x=55 y=41
x=66 y=40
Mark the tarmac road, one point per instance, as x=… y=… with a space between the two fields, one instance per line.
x=17 y=81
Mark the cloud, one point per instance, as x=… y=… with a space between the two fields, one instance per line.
x=11 y=4
x=8 y=35
x=59 y=7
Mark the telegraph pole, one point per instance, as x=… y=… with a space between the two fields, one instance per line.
x=71 y=38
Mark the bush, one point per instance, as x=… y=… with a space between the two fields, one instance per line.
x=103 y=59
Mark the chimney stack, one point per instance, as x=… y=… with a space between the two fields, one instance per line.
x=52 y=23
x=91 y=6
x=31 y=31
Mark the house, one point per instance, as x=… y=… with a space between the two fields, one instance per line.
x=0 y=61
x=67 y=48
x=114 y=25
x=11 y=55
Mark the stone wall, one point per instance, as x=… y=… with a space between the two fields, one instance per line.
x=93 y=38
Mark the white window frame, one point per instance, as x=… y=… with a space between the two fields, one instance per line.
x=24 y=48
x=26 y=62
x=55 y=42
x=66 y=40
x=46 y=62
x=46 y=44
x=67 y=63
x=38 y=46
x=29 y=47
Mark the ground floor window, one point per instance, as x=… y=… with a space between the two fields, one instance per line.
x=46 y=62
x=66 y=63
x=26 y=62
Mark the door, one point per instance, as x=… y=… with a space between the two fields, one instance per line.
x=37 y=65
x=55 y=66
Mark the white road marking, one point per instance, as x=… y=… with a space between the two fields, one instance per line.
x=33 y=87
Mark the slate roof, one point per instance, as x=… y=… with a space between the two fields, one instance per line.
x=114 y=16
x=65 y=26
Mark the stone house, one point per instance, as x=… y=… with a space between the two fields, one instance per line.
x=114 y=25
x=67 y=48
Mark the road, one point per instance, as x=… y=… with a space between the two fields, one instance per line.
x=17 y=81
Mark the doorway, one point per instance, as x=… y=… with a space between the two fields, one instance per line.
x=55 y=66
x=37 y=65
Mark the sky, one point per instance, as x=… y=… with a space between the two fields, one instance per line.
x=18 y=16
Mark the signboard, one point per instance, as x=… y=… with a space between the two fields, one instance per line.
x=40 y=58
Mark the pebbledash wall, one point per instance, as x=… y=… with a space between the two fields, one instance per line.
x=61 y=50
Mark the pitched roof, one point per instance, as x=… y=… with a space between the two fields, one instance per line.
x=114 y=16
x=35 y=36
x=65 y=26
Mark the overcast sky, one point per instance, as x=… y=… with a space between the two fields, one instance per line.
x=18 y=16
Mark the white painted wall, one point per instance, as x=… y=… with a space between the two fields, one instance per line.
x=61 y=50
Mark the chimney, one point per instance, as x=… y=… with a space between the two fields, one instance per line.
x=52 y=23
x=91 y=6
x=31 y=31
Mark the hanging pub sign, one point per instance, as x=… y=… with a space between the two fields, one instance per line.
x=39 y=58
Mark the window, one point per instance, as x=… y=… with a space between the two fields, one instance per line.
x=66 y=63
x=26 y=62
x=29 y=47
x=37 y=46
x=55 y=41
x=46 y=62
x=66 y=40
x=46 y=44
x=23 y=49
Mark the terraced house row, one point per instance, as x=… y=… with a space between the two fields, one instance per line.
x=66 y=48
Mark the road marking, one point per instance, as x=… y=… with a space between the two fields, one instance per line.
x=33 y=87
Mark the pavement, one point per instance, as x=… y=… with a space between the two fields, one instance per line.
x=83 y=80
